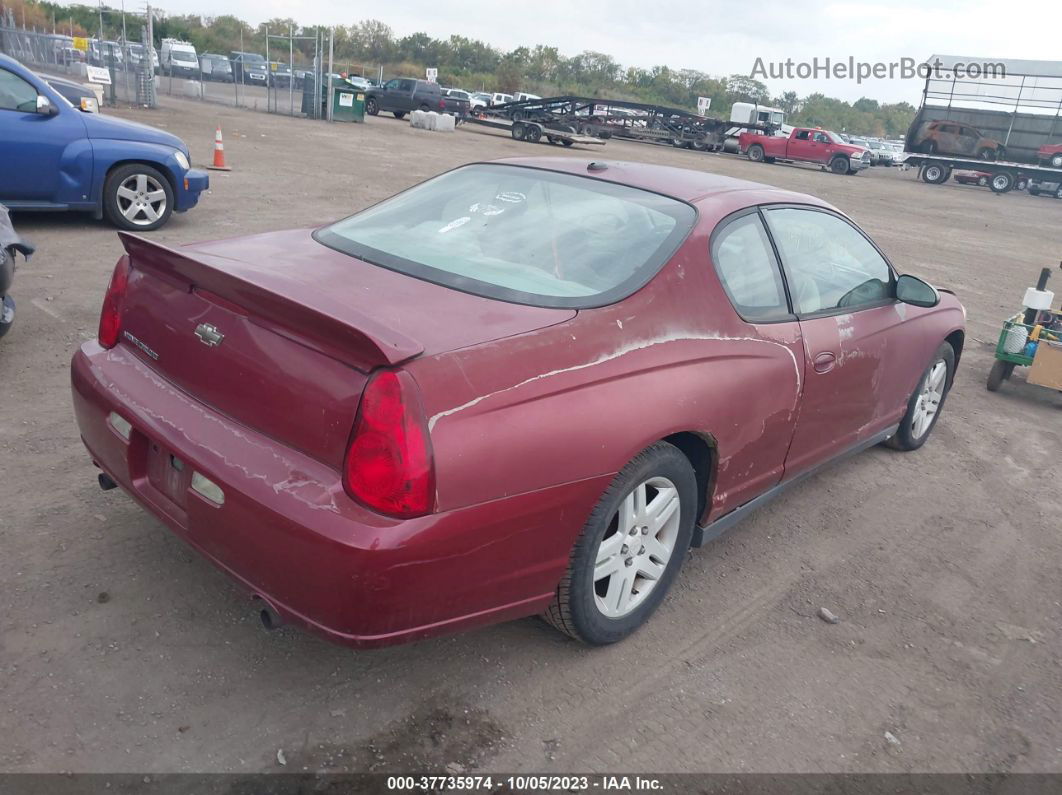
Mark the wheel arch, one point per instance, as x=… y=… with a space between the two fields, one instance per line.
x=702 y=452
x=956 y=340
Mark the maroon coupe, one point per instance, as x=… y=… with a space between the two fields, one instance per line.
x=522 y=387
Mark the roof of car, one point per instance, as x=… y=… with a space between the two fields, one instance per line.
x=680 y=183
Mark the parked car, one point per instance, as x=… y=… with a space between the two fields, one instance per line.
x=10 y=246
x=1042 y=187
x=983 y=179
x=79 y=95
x=405 y=94
x=179 y=59
x=806 y=145
x=249 y=68
x=519 y=388
x=54 y=157
x=952 y=138
x=109 y=55
x=880 y=154
x=500 y=99
x=1051 y=155
x=279 y=74
x=479 y=99
x=137 y=53
x=359 y=83
x=215 y=67
x=457 y=93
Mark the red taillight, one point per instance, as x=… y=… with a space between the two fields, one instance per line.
x=111 y=314
x=389 y=464
x=442 y=104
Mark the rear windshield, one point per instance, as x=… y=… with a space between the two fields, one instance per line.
x=520 y=234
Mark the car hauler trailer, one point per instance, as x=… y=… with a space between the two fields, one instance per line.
x=605 y=118
x=999 y=122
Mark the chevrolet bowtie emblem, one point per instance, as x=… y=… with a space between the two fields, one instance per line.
x=208 y=334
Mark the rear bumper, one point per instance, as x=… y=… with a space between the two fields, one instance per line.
x=288 y=532
x=194 y=182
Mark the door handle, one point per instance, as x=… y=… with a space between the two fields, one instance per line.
x=824 y=362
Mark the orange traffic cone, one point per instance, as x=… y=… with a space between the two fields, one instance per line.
x=219 y=153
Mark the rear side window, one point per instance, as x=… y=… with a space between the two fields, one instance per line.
x=747 y=268
x=829 y=263
x=519 y=234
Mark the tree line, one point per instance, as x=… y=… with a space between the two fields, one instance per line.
x=367 y=47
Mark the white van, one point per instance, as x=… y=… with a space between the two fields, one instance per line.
x=179 y=59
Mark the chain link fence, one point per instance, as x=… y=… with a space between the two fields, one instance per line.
x=136 y=73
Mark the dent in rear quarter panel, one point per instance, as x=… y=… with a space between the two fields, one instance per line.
x=582 y=398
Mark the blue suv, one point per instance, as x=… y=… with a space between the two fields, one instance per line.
x=53 y=156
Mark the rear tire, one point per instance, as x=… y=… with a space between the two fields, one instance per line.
x=935 y=174
x=1056 y=161
x=756 y=153
x=621 y=569
x=1001 y=182
x=983 y=182
x=926 y=402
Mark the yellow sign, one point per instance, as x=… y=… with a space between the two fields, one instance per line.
x=81 y=43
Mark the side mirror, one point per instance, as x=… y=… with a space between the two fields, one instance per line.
x=914 y=291
x=45 y=106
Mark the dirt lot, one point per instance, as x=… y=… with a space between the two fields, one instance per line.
x=121 y=650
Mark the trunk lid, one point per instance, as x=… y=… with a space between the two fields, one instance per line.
x=279 y=332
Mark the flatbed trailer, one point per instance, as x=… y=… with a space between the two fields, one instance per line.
x=1009 y=115
x=937 y=169
x=605 y=118
x=535 y=131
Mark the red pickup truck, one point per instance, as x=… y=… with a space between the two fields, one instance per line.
x=1051 y=154
x=806 y=145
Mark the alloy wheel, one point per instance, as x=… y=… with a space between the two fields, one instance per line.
x=141 y=199
x=929 y=399
x=637 y=546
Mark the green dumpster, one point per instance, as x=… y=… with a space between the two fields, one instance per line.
x=348 y=103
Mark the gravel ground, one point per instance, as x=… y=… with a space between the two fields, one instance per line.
x=123 y=651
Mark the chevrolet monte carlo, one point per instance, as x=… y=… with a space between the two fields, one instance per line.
x=522 y=387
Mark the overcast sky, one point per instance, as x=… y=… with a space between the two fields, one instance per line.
x=708 y=35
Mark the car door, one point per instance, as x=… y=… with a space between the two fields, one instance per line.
x=38 y=157
x=406 y=90
x=966 y=140
x=801 y=146
x=857 y=348
x=765 y=374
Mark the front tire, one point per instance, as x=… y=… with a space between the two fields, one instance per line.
x=372 y=107
x=1056 y=161
x=926 y=403
x=137 y=197
x=839 y=165
x=630 y=549
x=399 y=114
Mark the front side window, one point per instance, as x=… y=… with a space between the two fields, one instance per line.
x=16 y=93
x=520 y=234
x=747 y=269
x=830 y=265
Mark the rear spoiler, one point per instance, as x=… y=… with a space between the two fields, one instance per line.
x=331 y=328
